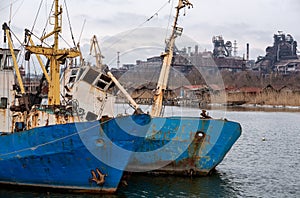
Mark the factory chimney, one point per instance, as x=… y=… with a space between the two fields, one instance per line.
x=247 y=51
x=189 y=51
x=235 y=48
x=196 y=49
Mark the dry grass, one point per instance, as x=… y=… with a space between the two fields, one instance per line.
x=270 y=98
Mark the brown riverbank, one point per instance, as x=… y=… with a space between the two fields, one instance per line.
x=246 y=87
x=253 y=88
x=255 y=96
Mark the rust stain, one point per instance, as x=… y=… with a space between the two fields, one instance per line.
x=185 y=166
x=63 y=189
x=98 y=177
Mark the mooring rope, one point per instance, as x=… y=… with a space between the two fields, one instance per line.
x=53 y=141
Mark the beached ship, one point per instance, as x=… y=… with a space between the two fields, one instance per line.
x=50 y=145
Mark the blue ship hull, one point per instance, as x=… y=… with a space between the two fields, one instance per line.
x=179 y=145
x=63 y=157
x=69 y=156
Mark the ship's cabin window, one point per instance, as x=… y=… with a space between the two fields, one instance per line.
x=101 y=84
x=3 y=103
x=105 y=78
x=72 y=79
x=73 y=75
x=74 y=72
x=8 y=62
x=90 y=76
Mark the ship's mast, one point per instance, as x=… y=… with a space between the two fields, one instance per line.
x=98 y=54
x=167 y=60
x=55 y=55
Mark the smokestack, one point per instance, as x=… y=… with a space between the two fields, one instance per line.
x=247 y=51
x=189 y=51
x=196 y=49
x=118 y=60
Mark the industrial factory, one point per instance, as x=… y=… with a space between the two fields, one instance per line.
x=281 y=57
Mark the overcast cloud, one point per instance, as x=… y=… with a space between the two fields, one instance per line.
x=246 y=21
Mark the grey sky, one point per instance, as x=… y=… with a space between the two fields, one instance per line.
x=246 y=21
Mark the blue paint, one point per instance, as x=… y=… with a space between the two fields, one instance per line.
x=63 y=156
x=57 y=156
x=172 y=142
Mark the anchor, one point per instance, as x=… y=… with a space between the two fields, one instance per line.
x=98 y=177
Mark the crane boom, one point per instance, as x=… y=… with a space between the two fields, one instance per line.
x=167 y=60
x=96 y=48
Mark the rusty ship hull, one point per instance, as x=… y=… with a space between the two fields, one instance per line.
x=180 y=145
x=74 y=157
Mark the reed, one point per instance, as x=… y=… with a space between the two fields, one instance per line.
x=266 y=98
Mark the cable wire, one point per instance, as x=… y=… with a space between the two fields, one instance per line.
x=169 y=20
x=147 y=20
x=70 y=24
x=44 y=30
x=6 y=6
x=36 y=16
x=64 y=40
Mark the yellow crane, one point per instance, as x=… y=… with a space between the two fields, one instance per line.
x=55 y=55
x=167 y=60
x=96 y=48
x=10 y=44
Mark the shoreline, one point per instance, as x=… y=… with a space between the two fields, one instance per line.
x=255 y=107
x=243 y=107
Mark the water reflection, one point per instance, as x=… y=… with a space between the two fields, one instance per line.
x=216 y=185
x=23 y=192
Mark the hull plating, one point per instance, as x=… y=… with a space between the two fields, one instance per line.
x=62 y=156
x=73 y=156
x=181 y=145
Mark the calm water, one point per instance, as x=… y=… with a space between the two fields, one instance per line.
x=252 y=168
